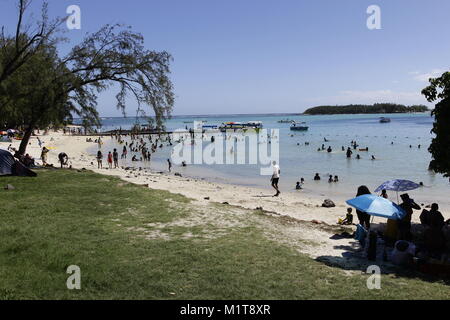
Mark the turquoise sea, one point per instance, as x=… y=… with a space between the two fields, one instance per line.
x=395 y=146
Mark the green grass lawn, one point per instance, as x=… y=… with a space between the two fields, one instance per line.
x=132 y=242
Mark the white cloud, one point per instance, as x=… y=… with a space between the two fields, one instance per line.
x=424 y=77
x=370 y=97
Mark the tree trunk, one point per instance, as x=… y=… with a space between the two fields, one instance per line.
x=25 y=140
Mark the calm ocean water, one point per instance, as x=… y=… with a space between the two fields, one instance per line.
x=393 y=161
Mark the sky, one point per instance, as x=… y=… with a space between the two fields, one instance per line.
x=267 y=56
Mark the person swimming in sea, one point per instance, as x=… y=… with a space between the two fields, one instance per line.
x=317 y=177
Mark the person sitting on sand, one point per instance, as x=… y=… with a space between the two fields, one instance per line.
x=403 y=253
x=316 y=177
x=435 y=218
x=28 y=161
x=348 y=218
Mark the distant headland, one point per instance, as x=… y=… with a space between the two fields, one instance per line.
x=361 y=108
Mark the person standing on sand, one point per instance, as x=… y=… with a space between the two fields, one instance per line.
x=124 y=152
x=44 y=156
x=99 y=159
x=63 y=159
x=116 y=158
x=275 y=178
x=364 y=218
x=110 y=160
x=404 y=225
x=170 y=165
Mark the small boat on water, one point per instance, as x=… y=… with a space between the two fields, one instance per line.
x=384 y=120
x=285 y=121
x=299 y=126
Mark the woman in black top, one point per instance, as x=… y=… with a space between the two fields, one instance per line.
x=364 y=218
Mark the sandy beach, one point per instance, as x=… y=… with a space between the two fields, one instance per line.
x=312 y=229
x=293 y=204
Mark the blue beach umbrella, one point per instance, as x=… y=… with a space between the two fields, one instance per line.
x=377 y=206
x=398 y=185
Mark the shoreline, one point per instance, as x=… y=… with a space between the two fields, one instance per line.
x=299 y=205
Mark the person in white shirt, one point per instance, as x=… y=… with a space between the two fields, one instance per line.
x=276 y=178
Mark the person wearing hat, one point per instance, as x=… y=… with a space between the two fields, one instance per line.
x=404 y=225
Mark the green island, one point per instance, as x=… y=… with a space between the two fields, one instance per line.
x=369 y=109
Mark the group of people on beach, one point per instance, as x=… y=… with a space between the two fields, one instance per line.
x=141 y=148
x=432 y=241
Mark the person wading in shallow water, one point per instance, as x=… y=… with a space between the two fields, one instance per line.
x=276 y=178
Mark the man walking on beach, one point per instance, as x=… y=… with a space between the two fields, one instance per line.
x=276 y=178
x=116 y=158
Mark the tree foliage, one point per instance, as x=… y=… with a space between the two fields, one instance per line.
x=439 y=90
x=45 y=89
x=16 y=50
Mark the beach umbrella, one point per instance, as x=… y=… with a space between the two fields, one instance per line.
x=398 y=185
x=377 y=206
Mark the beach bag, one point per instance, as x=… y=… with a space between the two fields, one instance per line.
x=360 y=234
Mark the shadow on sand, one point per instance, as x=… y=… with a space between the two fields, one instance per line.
x=353 y=259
